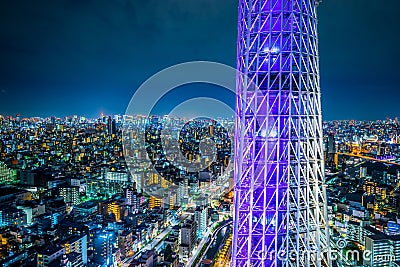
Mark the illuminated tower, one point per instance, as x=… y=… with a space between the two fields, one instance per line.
x=280 y=216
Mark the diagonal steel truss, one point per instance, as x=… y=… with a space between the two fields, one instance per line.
x=280 y=216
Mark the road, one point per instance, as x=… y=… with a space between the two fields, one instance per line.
x=369 y=158
x=209 y=239
x=199 y=247
x=155 y=241
x=215 y=245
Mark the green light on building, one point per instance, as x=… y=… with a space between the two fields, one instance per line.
x=7 y=175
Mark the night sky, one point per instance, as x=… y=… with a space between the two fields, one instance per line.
x=65 y=57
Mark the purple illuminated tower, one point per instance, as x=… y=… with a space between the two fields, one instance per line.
x=280 y=214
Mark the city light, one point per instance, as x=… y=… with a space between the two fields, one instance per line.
x=175 y=159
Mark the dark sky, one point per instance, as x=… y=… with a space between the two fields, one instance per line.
x=65 y=57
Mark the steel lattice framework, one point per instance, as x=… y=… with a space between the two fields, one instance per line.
x=280 y=216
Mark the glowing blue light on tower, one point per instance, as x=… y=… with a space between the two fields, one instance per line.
x=279 y=193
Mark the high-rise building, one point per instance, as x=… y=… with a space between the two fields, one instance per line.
x=111 y=126
x=103 y=246
x=125 y=243
x=48 y=255
x=139 y=179
x=132 y=198
x=183 y=192
x=201 y=219
x=381 y=250
x=363 y=172
x=76 y=244
x=118 y=209
x=330 y=148
x=72 y=259
x=169 y=199
x=6 y=175
x=86 y=209
x=117 y=176
x=10 y=216
x=279 y=217
x=155 y=202
x=187 y=239
x=70 y=194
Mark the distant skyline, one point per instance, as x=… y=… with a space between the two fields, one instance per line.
x=95 y=117
x=86 y=57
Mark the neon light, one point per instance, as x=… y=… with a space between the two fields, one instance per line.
x=279 y=176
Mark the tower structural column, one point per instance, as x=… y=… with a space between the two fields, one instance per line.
x=280 y=213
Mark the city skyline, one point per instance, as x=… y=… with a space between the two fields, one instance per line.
x=55 y=65
x=137 y=134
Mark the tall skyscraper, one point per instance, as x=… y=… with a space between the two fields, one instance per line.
x=280 y=216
